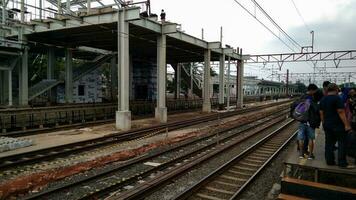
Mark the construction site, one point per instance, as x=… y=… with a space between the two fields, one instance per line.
x=112 y=99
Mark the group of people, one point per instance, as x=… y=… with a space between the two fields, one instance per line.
x=335 y=109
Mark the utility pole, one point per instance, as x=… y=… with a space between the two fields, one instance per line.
x=287 y=83
x=314 y=70
x=312 y=46
x=202 y=33
x=221 y=35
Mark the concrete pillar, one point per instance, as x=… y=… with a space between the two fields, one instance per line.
x=228 y=84
x=68 y=4
x=10 y=87
x=22 y=15
x=191 y=86
x=221 y=80
x=123 y=115
x=161 y=109
x=59 y=6
x=88 y=6
x=68 y=76
x=131 y=94
x=113 y=77
x=206 y=82
x=2 y=87
x=178 y=80
x=23 y=79
x=51 y=61
x=240 y=95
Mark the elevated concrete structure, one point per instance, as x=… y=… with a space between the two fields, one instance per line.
x=132 y=36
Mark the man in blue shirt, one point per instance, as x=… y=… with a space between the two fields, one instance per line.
x=336 y=126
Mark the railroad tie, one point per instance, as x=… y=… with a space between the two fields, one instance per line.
x=261 y=155
x=226 y=184
x=250 y=164
x=239 y=172
x=259 y=151
x=249 y=159
x=267 y=149
x=219 y=190
x=233 y=178
x=258 y=158
x=244 y=168
x=204 y=196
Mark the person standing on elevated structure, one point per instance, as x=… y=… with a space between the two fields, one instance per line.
x=163 y=16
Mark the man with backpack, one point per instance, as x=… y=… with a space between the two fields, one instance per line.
x=336 y=126
x=306 y=111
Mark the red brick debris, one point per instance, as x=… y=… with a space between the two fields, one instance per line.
x=37 y=181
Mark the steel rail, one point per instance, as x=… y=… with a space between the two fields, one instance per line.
x=276 y=117
x=148 y=187
x=62 y=150
x=50 y=127
x=193 y=190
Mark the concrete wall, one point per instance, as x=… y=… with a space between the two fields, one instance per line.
x=144 y=83
x=92 y=82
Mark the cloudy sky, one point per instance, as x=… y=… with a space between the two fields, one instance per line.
x=332 y=20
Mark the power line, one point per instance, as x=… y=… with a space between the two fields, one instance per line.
x=295 y=43
x=264 y=25
x=300 y=15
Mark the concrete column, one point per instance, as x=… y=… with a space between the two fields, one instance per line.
x=228 y=85
x=191 y=87
x=113 y=77
x=206 y=82
x=68 y=4
x=221 y=80
x=2 y=87
x=22 y=15
x=240 y=94
x=88 y=6
x=68 y=76
x=131 y=94
x=59 y=6
x=123 y=115
x=161 y=109
x=23 y=79
x=51 y=61
x=178 y=80
x=10 y=87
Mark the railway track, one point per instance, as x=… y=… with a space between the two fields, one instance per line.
x=30 y=121
x=145 y=188
x=123 y=175
x=230 y=180
x=68 y=149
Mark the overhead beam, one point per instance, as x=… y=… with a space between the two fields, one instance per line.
x=94 y=50
x=302 y=57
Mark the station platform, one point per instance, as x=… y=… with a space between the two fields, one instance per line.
x=52 y=139
x=307 y=179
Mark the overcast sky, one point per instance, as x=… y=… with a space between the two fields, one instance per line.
x=332 y=20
